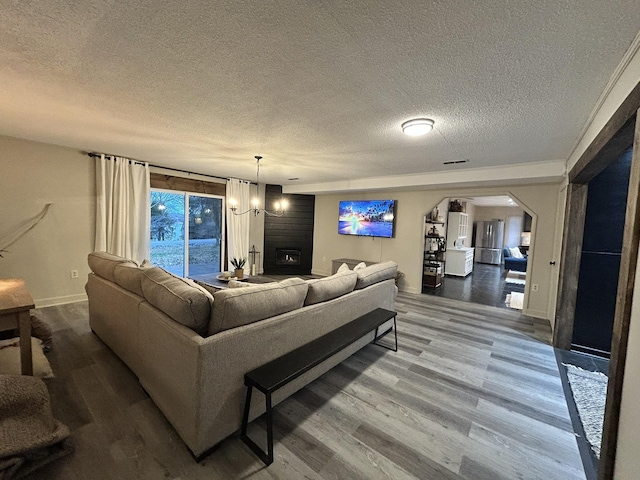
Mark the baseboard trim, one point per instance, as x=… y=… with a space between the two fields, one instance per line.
x=321 y=273
x=52 y=301
x=536 y=313
x=408 y=290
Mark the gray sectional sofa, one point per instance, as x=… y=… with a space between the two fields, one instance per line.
x=190 y=346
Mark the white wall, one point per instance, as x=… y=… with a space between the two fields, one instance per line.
x=627 y=458
x=34 y=174
x=406 y=247
x=489 y=213
x=484 y=214
x=256 y=233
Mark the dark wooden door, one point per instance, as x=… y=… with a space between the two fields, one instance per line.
x=600 y=258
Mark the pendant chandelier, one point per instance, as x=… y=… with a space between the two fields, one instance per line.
x=280 y=207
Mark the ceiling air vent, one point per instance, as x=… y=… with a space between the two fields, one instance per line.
x=455 y=161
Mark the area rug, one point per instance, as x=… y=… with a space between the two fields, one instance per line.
x=589 y=393
x=29 y=435
x=515 y=300
x=10 y=358
x=518 y=278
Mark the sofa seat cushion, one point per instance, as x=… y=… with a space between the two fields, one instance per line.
x=327 y=288
x=235 y=307
x=376 y=273
x=180 y=298
x=103 y=264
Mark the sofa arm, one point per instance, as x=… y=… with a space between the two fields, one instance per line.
x=170 y=369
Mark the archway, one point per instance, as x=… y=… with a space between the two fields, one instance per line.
x=447 y=270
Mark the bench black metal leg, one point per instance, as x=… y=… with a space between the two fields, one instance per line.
x=245 y=416
x=395 y=334
x=267 y=458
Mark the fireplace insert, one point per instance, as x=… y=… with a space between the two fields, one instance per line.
x=288 y=256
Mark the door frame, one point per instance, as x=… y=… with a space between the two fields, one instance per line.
x=620 y=132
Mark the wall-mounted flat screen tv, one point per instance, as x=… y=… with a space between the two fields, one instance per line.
x=370 y=218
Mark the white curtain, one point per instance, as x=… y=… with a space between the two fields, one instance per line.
x=238 y=225
x=122 y=207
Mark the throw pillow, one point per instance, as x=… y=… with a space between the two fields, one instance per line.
x=237 y=284
x=515 y=252
x=343 y=268
x=360 y=266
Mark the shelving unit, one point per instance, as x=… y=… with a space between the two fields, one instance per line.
x=434 y=255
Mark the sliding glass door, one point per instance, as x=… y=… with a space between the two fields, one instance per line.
x=187 y=232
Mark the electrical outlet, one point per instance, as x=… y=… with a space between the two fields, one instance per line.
x=535 y=287
x=74 y=273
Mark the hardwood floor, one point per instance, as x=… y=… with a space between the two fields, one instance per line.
x=486 y=285
x=473 y=393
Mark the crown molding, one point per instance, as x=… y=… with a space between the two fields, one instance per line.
x=527 y=173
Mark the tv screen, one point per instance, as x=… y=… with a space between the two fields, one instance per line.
x=371 y=218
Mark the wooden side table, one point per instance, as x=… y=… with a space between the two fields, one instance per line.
x=15 y=303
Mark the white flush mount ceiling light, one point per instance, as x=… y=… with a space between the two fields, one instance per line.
x=417 y=126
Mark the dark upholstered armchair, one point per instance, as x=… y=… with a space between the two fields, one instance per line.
x=512 y=263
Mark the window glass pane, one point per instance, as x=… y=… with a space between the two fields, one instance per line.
x=514 y=227
x=205 y=234
x=167 y=244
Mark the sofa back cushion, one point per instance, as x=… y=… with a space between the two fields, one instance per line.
x=235 y=307
x=180 y=298
x=376 y=273
x=327 y=288
x=129 y=277
x=103 y=264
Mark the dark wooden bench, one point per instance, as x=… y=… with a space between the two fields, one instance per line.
x=279 y=372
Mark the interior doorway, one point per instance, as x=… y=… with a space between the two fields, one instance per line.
x=612 y=141
x=600 y=258
x=476 y=251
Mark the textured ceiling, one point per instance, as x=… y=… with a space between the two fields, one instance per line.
x=318 y=87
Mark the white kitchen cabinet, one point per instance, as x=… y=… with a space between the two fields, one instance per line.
x=457 y=229
x=459 y=262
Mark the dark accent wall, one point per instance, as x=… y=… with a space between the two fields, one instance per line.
x=600 y=258
x=294 y=230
